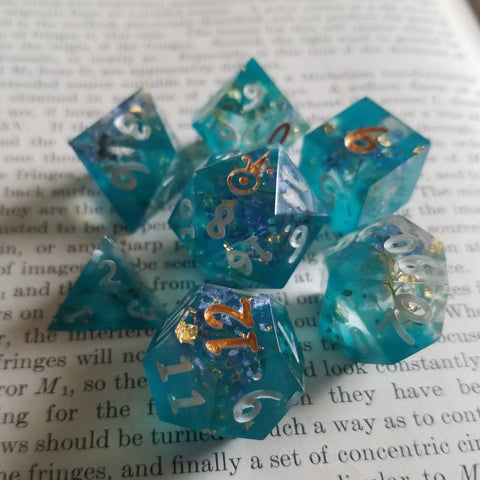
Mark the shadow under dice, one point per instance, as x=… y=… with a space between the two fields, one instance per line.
x=108 y=295
x=363 y=164
x=248 y=219
x=133 y=159
x=247 y=113
x=225 y=361
x=386 y=293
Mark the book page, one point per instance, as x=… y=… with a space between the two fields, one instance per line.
x=79 y=407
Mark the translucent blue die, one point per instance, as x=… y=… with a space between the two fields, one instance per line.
x=248 y=112
x=133 y=158
x=363 y=164
x=248 y=219
x=386 y=293
x=109 y=295
x=225 y=361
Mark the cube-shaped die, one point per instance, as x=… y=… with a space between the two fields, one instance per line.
x=109 y=295
x=247 y=220
x=133 y=158
x=386 y=293
x=247 y=113
x=363 y=164
x=225 y=361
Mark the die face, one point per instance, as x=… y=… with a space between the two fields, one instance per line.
x=394 y=303
x=286 y=340
x=218 y=364
x=184 y=213
x=248 y=219
x=247 y=113
x=108 y=295
x=182 y=386
x=131 y=156
x=181 y=220
x=363 y=163
x=294 y=196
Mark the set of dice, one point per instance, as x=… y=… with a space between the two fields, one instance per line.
x=227 y=360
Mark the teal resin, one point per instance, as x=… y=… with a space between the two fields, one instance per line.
x=363 y=164
x=109 y=295
x=247 y=113
x=386 y=293
x=132 y=156
x=227 y=362
x=247 y=220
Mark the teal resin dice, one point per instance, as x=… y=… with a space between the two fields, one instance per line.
x=247 y=220
x=386 y=293
x=109 y=295
x=133 y=158
x=363 y=164
x=247 y=113
x=227 y=362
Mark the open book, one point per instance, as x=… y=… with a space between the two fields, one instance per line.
x=79 y=408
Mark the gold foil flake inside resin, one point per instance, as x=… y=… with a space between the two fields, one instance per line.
x=384 y=141
x=234 y=94
x=428 y=292
x=274 y=238
x=419 y=149
x=436 y=247
x=186 y=333
x=136 y=109
x=248 y=425
x=406 y=278
x=328 y=128
x=227 y=247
